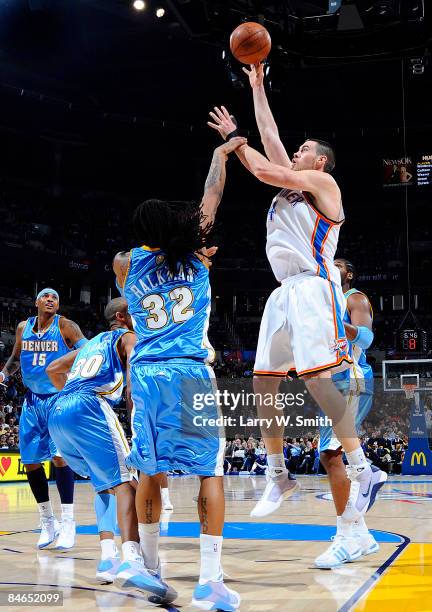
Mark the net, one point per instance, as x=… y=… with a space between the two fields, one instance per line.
x=409 y=390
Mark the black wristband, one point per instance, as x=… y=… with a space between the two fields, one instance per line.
x=235 y=132
x=232 y=134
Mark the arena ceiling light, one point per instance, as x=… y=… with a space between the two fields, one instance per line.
x=139 y=5
x=160 y=12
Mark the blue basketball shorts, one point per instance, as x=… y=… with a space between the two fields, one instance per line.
x=174 y=418
x=35 y=441
x=359 y=403
x=90 y=438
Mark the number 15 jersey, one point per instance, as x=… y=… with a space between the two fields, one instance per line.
x=170 y=313
x=38 y=351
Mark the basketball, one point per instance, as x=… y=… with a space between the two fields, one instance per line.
x=250 y=43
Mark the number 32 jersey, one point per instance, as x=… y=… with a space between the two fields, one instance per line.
x=98 y=368
x=170 y=313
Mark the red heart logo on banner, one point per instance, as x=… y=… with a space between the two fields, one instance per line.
x=5 y=465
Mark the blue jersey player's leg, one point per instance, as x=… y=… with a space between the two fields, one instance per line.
x=34 y=448
x=352 y=538
x=106 y=515
x=39 y=341
x=166 y=502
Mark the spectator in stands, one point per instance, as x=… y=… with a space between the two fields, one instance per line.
x=12 y=443
x=428 y=416
x=9 y=408
x=261 y=449
x=286 y=452
x=397 y=457
x=253 y=441
x=296 y=456
x=228 y=456
x=382 y=451
x=234 y=455
x=238 y=455
x=385 y=457
x=3 y=442
x=260 y=466
x=371 y=454
x=249 y=458
x=308 y=459
x=3 y=427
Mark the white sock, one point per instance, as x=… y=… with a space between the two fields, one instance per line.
x=67 y=511
x=211 y=551
x=343 y=527
x=276 y=464
x=45 y=510
x=360 y=527
x=108 y=548
x=131 y=551
x=356 y=457
x=165 y=495
x=149 y=542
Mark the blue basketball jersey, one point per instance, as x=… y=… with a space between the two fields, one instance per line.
x=360 y=368
x=38 y=351
x=98 y=369
x=170 y=314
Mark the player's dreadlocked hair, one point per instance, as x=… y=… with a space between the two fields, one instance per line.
x=174 y=227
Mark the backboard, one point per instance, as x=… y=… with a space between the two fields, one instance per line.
x=399 y=372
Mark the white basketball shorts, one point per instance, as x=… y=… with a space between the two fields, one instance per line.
x=302 y=328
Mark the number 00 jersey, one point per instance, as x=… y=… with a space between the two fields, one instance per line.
x=300 y=238
x=38 y=351
x=98 y=369
x=170 y=314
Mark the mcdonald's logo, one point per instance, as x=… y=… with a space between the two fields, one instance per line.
x=418 y=458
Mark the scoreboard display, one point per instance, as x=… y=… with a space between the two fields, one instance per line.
x=412 y=341
x=424 y=171
x=407 y=171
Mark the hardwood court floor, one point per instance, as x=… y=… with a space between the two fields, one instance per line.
x=269 y=562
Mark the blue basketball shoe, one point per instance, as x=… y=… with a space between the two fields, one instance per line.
x=132 y=575
x=215 y=595
x=107 y=569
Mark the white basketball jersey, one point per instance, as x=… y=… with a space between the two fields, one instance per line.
x=300 y=238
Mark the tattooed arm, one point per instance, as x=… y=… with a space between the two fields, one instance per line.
x=13 y=363
x=72 y=333
x=215 y=182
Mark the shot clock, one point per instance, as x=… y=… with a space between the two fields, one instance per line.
x=412 y=341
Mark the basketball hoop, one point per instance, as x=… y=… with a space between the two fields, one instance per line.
x=409 y=390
